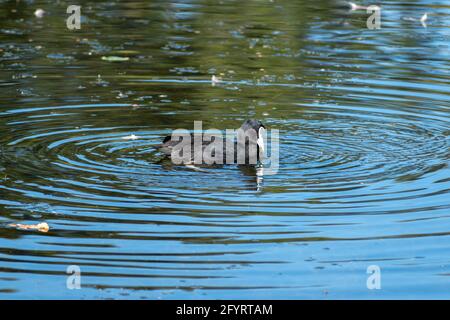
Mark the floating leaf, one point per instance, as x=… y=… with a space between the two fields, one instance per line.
x=42 y=227
x=115 y=58
x=127 y=52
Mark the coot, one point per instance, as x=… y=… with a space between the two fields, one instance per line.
x=213 y=149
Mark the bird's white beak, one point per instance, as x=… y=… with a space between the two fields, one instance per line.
x=260 y=140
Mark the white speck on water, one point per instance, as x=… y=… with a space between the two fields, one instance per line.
x=424 y=18
x=131 y=137
x=39 y=13
x=215 y=80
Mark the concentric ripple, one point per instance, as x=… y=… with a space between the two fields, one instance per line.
x=339 y=159
x=110 y=182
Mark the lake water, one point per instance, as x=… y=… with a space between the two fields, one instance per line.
x=363 y=180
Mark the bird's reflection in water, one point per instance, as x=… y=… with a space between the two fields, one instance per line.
x=256 y=174
x=253 y=175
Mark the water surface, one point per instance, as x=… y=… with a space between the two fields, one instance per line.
x=364 y=174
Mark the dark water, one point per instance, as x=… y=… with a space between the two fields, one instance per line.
x=364 y=174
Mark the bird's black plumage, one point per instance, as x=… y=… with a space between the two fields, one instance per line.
x=246 y=149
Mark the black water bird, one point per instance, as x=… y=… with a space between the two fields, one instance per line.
x=211 y=149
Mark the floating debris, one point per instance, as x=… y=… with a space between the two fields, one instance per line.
x=423 y=20
x=100 y=81
x=121 y=95
x=215 y=80
x=354 y=6
x=115 y=58
x=39 y=13
x=131 y=137
x=41 y=227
